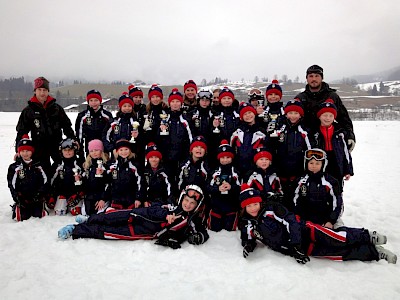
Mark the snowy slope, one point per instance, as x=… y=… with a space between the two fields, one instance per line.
x=34 y=264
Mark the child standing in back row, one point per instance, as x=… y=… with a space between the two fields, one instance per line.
x=90 y=123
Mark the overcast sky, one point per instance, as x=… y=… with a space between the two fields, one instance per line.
x=171 y=41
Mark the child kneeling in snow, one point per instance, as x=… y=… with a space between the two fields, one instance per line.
x=170 y=225
x=276 y=227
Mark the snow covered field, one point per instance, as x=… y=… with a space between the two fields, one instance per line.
x=35 y=264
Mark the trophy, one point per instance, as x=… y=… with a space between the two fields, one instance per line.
x=148 y=122
x=99 y=167
x=216 y=129
x=261 y=104
x=196 y=119
x=164 y=122
x=272 y=125
x=135 y=126
x=76 y=173
x=224 y=179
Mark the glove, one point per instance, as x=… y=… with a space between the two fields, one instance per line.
x=19 y=200
x=39 y=198
x=168 y=242
x=73 y=200
x=249 y=247
x=51 y=203
x=276 y=197
x=299 y=256
x=351 y=144
x=197 y=238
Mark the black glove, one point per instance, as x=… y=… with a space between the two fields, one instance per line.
x=39 y=198
x=249 y=247
x=168 y=242
x=276 y=197
x=197 y=238
x=299 y=256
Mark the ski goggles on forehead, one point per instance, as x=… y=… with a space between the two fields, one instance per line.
x=204 y=95
x=255 y=92
x=317 y=154
x=67 y=144
x=193 y=194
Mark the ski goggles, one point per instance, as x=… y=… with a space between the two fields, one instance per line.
x=194 y=195
x=316 y=154
x=68 y=144
x=204 y=95
x=255 y=94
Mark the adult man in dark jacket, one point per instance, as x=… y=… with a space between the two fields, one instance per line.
x=46 y=121
x=317 y=92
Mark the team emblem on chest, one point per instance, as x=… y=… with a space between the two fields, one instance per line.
x=21 y=174
x=37 y=123
x=303 y=190
x=116 y=129
x=89 y=121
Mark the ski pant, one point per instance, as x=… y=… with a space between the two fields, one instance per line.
x=218 y=221
x=340 y=244
x=32 y=209
x=113 y=224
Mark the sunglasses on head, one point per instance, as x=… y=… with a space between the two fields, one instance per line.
x=317 y=154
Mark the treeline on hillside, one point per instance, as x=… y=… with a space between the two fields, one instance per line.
x=8 y=86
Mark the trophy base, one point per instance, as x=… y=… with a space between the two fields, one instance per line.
x=274 y=134
x=164 y=133
x=78 y=182
x=98 y=175
x=216 y=131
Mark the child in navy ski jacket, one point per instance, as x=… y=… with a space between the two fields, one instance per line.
x=138 y=106
x=170 y=225
x=66 y=182
x=125 y=126
x=262 y=177
x=27 y=182
x=273 y=111
x=126 y=183
x=293 y=141
x=332 y=139
x=224 y=188
x=195 y=170
x=95 y=179
x=154 y=109
x=227 y=121
x=158 y=187
x=90 y=123
x=317 y=196
x=174 y=136
x=277 y=228
x=200 y=117
x=246 y=138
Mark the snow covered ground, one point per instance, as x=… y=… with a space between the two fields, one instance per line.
x=35 y=264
